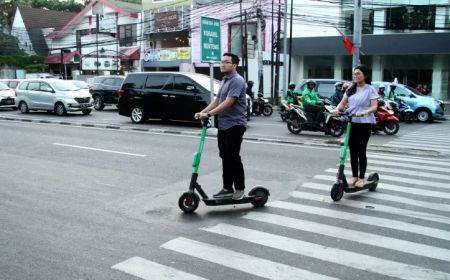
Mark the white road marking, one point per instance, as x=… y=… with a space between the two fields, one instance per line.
x=329 y=254
x=421 y=160
x=148 y=270
x=387 y=197
x=417 y=147
x=100 y=150
x=408 y=190
x=363 y=219
x=246 y=263
x=408 y=165
x=404 y=180
x=376 y=207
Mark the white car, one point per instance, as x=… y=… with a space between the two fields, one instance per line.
x=52 y=95
x=7 y=97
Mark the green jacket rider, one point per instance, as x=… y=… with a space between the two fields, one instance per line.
x=310 y=97
x=291 y=95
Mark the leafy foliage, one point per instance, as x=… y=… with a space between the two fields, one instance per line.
x=10 y=45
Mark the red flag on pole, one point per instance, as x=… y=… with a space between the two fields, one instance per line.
x=348 y=44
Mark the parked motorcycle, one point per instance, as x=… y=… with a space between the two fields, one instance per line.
x=401 y=110
x=299 y=119
x=249 y=102
x=386 y=120
x=262 y=106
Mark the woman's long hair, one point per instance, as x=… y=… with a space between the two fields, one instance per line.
x=367 y=80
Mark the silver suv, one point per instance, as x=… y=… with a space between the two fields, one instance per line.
x=52 y=95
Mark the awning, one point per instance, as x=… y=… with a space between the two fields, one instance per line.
x=133 y=53
x=55 y=58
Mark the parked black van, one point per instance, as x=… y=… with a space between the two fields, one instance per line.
x=164 y=95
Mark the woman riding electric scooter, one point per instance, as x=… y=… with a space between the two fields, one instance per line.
x=361 y=100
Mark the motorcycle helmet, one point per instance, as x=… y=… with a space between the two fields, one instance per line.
x=338 y=84
x=291 y=85
x=382 y=86
x=311 y=82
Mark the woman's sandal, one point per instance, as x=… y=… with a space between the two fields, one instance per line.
x=353 y=181
x=360 y=183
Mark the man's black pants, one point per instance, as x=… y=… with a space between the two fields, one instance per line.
x=317 y=110
x=229 y=142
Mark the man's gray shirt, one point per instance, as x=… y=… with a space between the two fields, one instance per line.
x=233 y=86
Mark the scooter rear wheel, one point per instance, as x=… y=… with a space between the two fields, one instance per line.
x=188 y=202
x=267 y=111
x=337 y=191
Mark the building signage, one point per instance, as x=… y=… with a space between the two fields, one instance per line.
x=90 y=63
x=167 y=54
x=166 y=20
x=210 y=39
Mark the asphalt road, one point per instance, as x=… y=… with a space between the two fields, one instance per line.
x=95 y=203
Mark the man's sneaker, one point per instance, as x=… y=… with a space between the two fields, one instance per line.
x=239 y=194
x=223 y=193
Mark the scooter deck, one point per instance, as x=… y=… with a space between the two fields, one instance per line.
x=228 y=200
x=367 y=185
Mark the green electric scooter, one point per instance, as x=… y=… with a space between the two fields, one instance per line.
x=341 y=185
x=189 y=201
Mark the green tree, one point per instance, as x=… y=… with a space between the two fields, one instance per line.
x=10 y=45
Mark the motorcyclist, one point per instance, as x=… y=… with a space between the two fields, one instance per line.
x=336 y=98
x=249 y=91
x=312 y=103
x=381 y=91
x=292 y=95
x=392 y=95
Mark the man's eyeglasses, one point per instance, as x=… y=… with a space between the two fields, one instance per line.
x=226 y=62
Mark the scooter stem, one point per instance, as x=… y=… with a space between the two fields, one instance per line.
x=343 y=154
x=198 y=154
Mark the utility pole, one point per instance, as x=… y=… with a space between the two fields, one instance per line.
x=290 y=40
x=245 y=44
x=260 y=53
x=272 y=85
x=277 y=60
x=285 y=62
x=242 y=42
x=357 y=27
x=97 y=23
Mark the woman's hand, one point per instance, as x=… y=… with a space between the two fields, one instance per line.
x=201 y=116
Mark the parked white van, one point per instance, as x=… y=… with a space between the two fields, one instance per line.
x=52 y=95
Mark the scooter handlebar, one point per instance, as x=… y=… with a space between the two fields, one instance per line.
x=206 y=123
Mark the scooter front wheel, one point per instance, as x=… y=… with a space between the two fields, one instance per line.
x=337 y=191
x=261 y=198
x=188 y=202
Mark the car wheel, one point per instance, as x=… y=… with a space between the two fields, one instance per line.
x=137 y=114
x=86 y=112
x=23 y=107
x=98 y=103
x=423 y=115
x=60 y=109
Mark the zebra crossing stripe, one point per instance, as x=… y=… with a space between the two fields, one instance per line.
x=433 y=141
x=429 y=135
x=148 y=270
x=333 y=255
x=418 y=147
x=246 y=263
x=412 y=159
x=409 y=165
x=425 y=139
x=396 y=188
x=363 y=219
x=353 y=235
x=377 y=207
x=394 y=198
x=409 y=172
x=402 y=179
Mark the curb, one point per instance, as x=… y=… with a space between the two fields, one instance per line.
x=329 y=143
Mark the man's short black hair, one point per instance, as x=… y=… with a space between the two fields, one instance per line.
x=234 y=58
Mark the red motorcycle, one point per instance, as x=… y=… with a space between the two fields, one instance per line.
x=386 y=120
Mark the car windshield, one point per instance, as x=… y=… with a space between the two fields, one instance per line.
x=3 y=86
x=64 y=86
x=204 y=81
x=81 y=84
x=414 y=90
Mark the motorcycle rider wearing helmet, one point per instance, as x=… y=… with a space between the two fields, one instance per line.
x=311 y=101
x=292 y=95
x=338 y=94
x=381 y=91
x=392 y=95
